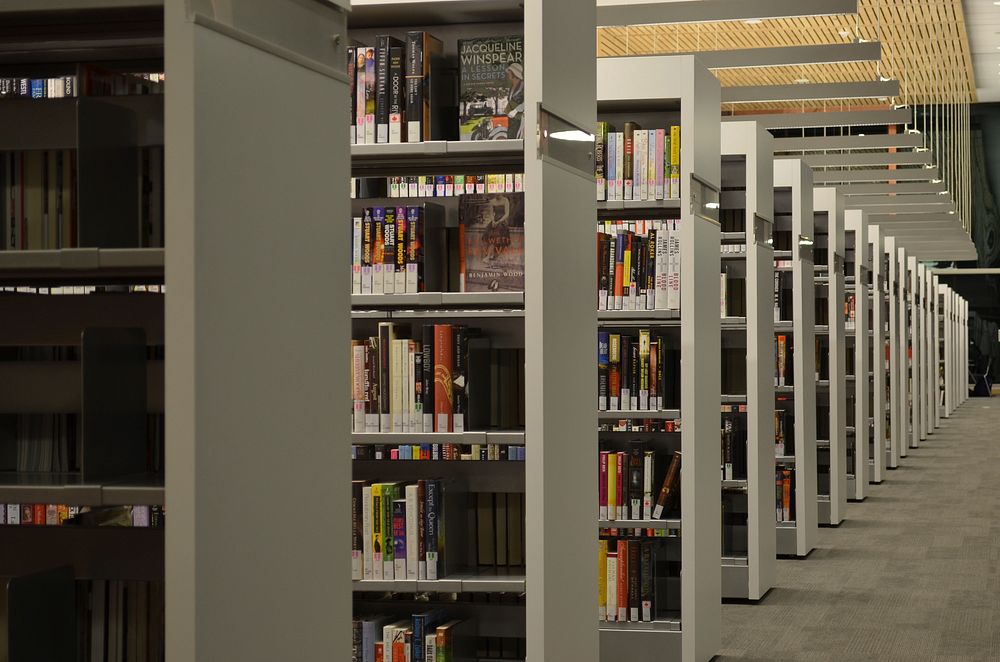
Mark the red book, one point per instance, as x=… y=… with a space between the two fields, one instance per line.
x=39 y=514
x=379 y=657
x=786 y=495
x=444 y=353
x=602 y=485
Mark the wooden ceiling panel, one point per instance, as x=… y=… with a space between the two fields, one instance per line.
x=924 y=46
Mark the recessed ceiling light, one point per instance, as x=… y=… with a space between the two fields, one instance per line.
x=755 y=21
x=861 y=135
x=801 y=80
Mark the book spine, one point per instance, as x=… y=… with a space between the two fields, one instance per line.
x=671 y=484
x=602 y=370
x=646 y=581
x=611 y=158
x=358 y=385
x=778 y=493
x=378 y=565
x=432 y=512
x=647 y=484
x=602 y=580
x=658 y=166
x=399 y=282
x=786 y=495
x=414 y=250
x=378 y=250
x=386 y=336
x=397 y=350
x=602 y=485
x=443 y=394
x=460 y=378
x=621 y=485
x=410 y=421
x=622 y=589
x=641 y=151
x=612 y=486
x=366 y=528
x=635 y=480
x=382 y=89
x=600 y=142
x=633 y=580
x=675 y=162
x=421 y=509
x=357 y=530
x=619 y=165
x=352 y=77
x=612 y=586
x=428 y=386
x=674 y=267
x=614 y=372
x=628 y=160
x=412 y=548
x=414 y=73
x=389 y=240
x=371 y=385
x=369 y=95
x=644 y=369
x=397 y=94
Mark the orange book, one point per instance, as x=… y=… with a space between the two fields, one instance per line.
x=379 y=656
x=444 y=359
x=39 y=515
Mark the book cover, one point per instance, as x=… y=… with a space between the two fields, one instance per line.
x=670 y=487
x=369 y=95
x=602 y=580
x=602 y=370
x=357 y=529
x=491 y=87
x=443 y=386
x=611 y=591
x=368 y=559
x=628 y=160
x=399 y=541
x=492 y=242
x=600 y=165
x=397 y=92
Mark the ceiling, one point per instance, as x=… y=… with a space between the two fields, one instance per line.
x=983 y=20
x=924 y=46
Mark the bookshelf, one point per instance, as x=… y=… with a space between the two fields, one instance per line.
x=963 y=342
x=916 y=320
x=937 y=344
x=857 y=271
x=831 y=419
x=930 y=351
x=903 y=350
x=256 y=363
x=529 y=600
x=658 y=91
x=948 y=360
x=794 y=237
x=893 y=406
x=878 y=300
x=748 y=200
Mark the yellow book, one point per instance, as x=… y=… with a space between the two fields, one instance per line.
x=612 y=486
x=675 y=161
x=602 y=580
x=377 y=569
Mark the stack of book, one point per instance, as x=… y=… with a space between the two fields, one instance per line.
x=637 y=163
x=784 y=495
x=51 y=514
x=426 y=636
x=91 y=81
x=639 y=265
x=626 y=480
x=435 y=186
x=442 y=452
x=631 y=372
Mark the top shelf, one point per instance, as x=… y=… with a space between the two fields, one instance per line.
x=443 y=156
x=93 y=266
x=393 y=13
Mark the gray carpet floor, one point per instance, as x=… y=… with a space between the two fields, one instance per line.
x=913 y=573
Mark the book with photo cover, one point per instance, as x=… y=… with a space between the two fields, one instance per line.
x=491 y=231
x=491 y=87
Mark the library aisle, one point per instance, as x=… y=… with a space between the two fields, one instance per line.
x=912 y=573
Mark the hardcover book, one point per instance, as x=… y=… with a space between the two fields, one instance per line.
x=491 y=228
x=491 y=87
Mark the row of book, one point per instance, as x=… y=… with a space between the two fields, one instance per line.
x=435 y=186
x=626 y=582
x=390 y=246
x=92 y=81
x=76 y=290
x=51 y=514
x=120 y=620
x=426 y=636
x=783 y=302
x=626 y=480
x=784 y=495
x=439 y=452
x=404 y=90
x=397 y=530
x=733 y=435
x=39 y=205
x=637 y=163
x=784 y=433
x=635 y=373
x=640 y=425
x=639 y=265
x=448 y=381
x=44 y=442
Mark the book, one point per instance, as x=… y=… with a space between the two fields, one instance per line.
x=491 y=231
x=491 y=87
x=421 y=49
x=383 y=89
x=669 y=490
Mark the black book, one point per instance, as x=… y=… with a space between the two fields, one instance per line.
x=634 y=573
x=636 y=457
x=634 y=374
x=397 y=93
x=460 y=377
x=383 y=43
x=427 y=377
x=646 y=580
x=352 y=76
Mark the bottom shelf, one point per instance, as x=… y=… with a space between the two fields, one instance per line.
x=735 y=578
x=786 y=543
x=659 y=640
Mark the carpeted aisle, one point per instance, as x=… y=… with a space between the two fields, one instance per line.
x=912 y=574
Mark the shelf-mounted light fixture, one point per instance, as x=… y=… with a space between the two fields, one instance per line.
x=805 y=241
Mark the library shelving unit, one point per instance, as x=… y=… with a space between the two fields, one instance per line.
x=748 y=563
x=547 y=591
x=831 y=374
x=658 y=91
x=857 y=268
x=857 y=337
x=916 y=320
x=894 y=357
x=795 y=310
x=82 y=395
x=905 y=353
x=256 y=361
x=878 y=358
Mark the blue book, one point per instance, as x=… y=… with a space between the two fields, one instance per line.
x=423 y=623
x=37 y=88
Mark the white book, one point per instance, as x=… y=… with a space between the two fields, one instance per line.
x=389 y=278
x=619 y=164
x=366 y=279
x=612 y=586
x=358 y=386
x=13 y=513
x=412 y=515
x=399 y=286
x=722 y=294
x=647 y=487
x=377 y=278
x=430 y=647
x=660 y=295
x=640 y=153
x=367 y=561
x=370 y=128
x=356 y=257
x=610 y=150
x=396 y=352
x=413 y=133
x=674 y=267
x=395 y=128
x=413 y=424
